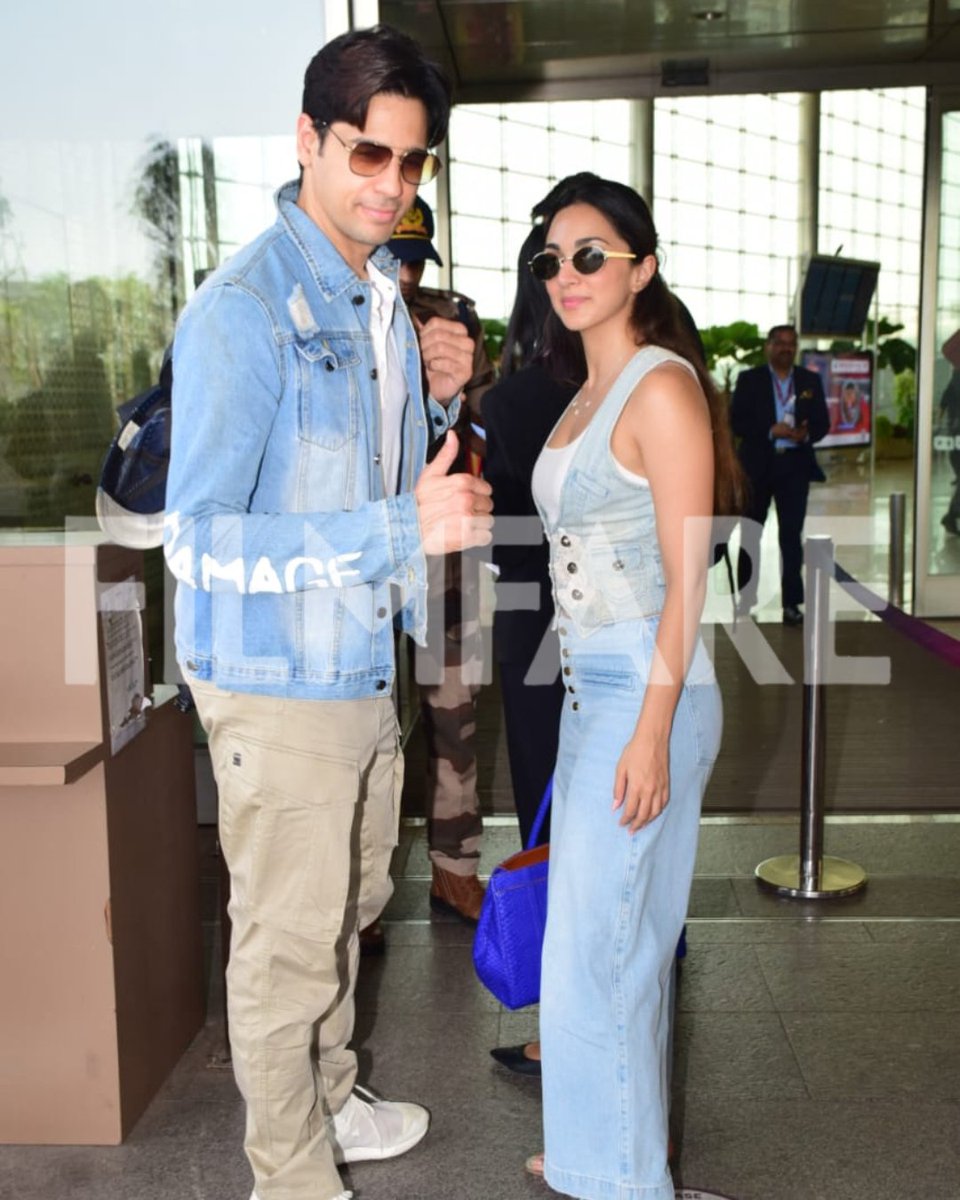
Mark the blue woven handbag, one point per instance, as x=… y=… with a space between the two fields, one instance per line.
x=509 y=938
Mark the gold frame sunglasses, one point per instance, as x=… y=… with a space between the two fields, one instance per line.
x=368 y=158
x=586 y=261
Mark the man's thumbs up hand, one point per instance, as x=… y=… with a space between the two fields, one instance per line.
x=455 y=511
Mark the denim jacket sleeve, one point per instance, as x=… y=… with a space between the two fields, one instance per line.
x=232 y=521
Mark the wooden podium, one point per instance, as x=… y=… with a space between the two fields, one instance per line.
x=101 y=957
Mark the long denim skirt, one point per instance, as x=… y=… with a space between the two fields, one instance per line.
x=617 y=902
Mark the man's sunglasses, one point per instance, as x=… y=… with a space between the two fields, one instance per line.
x=586 y=261
x=370 y=158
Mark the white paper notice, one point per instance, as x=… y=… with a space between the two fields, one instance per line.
x=124 y=664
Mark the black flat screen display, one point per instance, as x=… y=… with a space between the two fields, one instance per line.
x=836 y=295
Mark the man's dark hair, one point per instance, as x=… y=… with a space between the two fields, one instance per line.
x=775 y=329
x=348 y=72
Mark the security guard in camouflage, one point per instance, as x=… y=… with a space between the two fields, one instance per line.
x=448 y=705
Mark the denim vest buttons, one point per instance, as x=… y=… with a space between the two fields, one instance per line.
x=605 y=561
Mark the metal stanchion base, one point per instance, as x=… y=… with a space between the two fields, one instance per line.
x=837 y=877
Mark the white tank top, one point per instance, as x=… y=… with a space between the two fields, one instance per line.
x=550 y=471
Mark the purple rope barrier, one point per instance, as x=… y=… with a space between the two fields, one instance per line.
x=940 y=644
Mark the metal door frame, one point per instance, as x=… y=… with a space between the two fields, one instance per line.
x=933 y=595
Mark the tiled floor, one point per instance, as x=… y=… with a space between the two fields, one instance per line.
x=816 y=1047
x=817 y=1055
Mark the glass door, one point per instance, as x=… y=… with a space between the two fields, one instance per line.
x=937 y=540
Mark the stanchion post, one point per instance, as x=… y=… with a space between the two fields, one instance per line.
x=819 y=556
x=898 y=509
x=811 y=875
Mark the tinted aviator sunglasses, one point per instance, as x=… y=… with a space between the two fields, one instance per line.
x=370 y=158
x=586 y=261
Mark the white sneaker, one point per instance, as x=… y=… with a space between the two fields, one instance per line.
x=370 y=1128
x=342 y=1196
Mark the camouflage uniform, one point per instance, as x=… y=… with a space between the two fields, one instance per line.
x=453 y=662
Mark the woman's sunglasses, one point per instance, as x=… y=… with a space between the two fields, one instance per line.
x=370 y=158
x=586 y=261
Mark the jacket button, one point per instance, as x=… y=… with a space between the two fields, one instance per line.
x=571 y=690
x=358 y=300
x=373 y=373
x=191 y=665
x=572 y=568
x=565 y=652
x=329 y=365
x=617 y=565
x=381 y=613
x=575 y=706
x=438 y=421
x=562 y=631
x=577 y=594
x=564 y=541
x=377 y=459
x=381 y=684
x=568 y=670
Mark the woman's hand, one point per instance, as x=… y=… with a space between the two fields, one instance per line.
x=641 y=786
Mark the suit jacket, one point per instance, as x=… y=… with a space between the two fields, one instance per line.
x=754 y=410
x=519 y=412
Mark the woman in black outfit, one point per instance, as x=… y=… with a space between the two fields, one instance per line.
x=518 y=414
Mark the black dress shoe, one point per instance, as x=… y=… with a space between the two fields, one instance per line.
x=949 y=522
x=372 y=940
x=792 y=615
x=514 y=1059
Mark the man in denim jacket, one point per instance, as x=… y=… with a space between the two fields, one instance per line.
x=299 y=515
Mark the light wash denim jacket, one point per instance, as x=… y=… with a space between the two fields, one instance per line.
x=290 y=558
x=605 y=561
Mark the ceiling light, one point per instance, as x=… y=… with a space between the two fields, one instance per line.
x=709 y=14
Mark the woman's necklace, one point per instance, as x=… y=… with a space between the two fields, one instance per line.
x=578 y=404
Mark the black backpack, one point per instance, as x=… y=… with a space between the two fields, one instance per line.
x=133 y=479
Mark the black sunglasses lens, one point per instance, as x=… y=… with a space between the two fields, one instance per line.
x=544 y=265
x=589 y=259
x=367 y=158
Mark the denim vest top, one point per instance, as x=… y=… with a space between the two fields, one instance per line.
x=605 y=561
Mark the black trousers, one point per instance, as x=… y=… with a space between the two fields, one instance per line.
x=531 y=714
x=953 y=509
x=787 y=484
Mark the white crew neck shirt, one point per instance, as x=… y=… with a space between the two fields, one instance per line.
x=393 y=386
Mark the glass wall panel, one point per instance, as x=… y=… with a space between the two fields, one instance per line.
x=944 y=509
x=114 y=193
x=871 y=189
x=726 y=203
x=505 y=158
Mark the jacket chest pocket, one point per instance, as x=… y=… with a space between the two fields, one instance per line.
x=328 y=403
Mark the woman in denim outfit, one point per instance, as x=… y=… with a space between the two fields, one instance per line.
x=626 y=486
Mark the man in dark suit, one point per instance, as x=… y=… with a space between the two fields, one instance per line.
x=778 y=412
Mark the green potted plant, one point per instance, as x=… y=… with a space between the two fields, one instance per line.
x=729 y=348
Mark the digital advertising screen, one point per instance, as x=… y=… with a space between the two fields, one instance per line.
x=848 y=388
